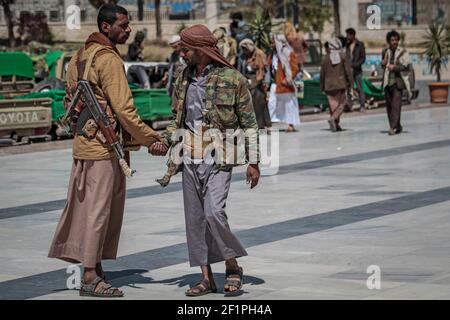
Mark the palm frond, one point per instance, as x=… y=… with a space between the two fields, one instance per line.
x=435 y=46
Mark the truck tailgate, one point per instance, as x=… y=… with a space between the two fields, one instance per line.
x=25 y=114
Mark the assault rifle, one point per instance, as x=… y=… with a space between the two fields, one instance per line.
x=85 y=106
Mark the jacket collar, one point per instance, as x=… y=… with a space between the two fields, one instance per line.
x=206 y=71
x=101 y=39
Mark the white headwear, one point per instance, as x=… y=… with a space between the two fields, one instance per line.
x=247 y=44
x=335 y=46
x=174 y=39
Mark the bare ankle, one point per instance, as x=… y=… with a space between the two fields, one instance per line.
x=231 y=264
x=89 y=275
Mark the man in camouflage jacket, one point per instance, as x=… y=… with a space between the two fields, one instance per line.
x=212 y=101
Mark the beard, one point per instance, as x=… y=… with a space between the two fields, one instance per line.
x=123 y=39
x=118 y=38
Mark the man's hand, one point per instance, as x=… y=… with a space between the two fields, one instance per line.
x=253 y=175
x=391 y=67
x=158 y=149
x=165 y=78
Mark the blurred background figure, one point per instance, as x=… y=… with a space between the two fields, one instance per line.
x=356 y=54
x=137 y=74
x=284 y=67
x=226 y=44
x=252 y=64
x=176 y=63
x=136 y=48
x=236 y=17
x=335 y=78
x=296 y=41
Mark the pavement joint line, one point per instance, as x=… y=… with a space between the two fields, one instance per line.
x=132 y=266
x=42 y=207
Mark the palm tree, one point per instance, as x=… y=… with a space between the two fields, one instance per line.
x=337 y=18
x=140 y=10
x=9 y=20
x=436 y=47
x=260 y=26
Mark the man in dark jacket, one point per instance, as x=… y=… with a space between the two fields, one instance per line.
x=135 y=49
x=356 y=54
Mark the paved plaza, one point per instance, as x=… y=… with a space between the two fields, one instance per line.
x=342 y=209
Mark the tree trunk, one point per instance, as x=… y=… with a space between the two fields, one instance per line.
x=296 y=13
x=140 y=10
x=9 y=23
x=337 y=18
x=158 y=19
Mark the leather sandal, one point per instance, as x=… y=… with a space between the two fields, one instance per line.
x=234 y=278
x=202 y=288
x=105 y=290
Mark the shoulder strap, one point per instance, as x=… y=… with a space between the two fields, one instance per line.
x=80 y=63
x=89 y=62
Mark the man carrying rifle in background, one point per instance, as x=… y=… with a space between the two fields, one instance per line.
x=90 y=225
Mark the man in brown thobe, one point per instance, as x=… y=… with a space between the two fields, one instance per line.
x=335 y=78
x=89 y=229
x=252 y=65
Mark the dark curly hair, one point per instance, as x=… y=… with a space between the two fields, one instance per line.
x=391 y=34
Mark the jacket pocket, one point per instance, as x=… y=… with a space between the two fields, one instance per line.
x=225 y=99
x=225 y=96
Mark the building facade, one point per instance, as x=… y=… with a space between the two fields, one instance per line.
x=408 y=16
x=174 y=14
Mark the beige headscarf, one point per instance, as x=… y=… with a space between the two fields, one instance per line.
x=284 y=51
x=247 y=44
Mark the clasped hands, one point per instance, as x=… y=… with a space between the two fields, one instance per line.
x=159 y=148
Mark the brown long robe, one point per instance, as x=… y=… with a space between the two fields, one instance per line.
x=89 y=228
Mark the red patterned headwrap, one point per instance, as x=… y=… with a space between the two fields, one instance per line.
x=199 y=37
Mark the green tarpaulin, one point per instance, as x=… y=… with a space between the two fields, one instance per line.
x=371 y=90
x=312 y=94
x=16 y=63
x=152 y=104
x=57 y=104
x=51 y=59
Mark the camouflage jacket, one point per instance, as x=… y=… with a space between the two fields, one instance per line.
x=228 y=105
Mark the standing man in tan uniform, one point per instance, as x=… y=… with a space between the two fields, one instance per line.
x=89 y=229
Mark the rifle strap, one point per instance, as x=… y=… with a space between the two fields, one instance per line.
x=88 y=64
x=84 y=66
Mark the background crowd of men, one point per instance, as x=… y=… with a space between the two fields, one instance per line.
x=274 y=75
